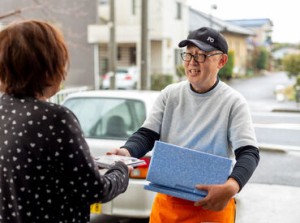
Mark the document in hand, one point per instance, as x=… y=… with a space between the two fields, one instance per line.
x=106 y=161
x=176 y=170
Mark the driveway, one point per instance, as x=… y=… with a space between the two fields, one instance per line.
x=260 y=203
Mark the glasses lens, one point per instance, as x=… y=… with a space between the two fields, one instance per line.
x=197 y=57
x=186 y=56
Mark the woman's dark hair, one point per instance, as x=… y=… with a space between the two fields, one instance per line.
x=33 y=55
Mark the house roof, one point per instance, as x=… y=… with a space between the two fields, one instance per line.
x=199 y=19
x=280 y=53
x=251 y=22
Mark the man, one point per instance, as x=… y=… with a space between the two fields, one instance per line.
x=202 y=113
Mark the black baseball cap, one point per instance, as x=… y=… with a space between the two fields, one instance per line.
x=206 y=39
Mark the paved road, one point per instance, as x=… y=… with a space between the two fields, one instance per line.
x=279 y=130
x=272 y=195
x=260 y=91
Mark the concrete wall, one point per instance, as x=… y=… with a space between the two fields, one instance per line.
x=73 y=17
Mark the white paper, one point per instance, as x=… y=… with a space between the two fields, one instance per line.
x=106 y=161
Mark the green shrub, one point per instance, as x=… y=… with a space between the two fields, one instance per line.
x=180 y=71
x=260 y=59
x=160 y=81
x=297 y=89
x=291 y=64
x=297 y=80
x=226 y=72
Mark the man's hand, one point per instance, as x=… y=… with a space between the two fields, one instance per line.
x=218 y=195
x=119 y=151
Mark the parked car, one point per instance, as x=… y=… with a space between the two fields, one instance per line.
x=126 y=78
x=107 y=118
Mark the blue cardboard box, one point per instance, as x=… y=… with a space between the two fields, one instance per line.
x=176 y=170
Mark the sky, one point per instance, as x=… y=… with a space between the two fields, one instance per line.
x=285 y=15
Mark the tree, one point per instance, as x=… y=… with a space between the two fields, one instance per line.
x=180 y=71
x=291 y=64
x=261 y=58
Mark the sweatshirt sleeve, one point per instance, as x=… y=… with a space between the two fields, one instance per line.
x=80 y=175
x=116 y=179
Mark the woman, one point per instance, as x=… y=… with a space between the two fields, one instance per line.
x=46 y=171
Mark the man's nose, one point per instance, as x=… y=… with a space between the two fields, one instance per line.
x=193 y=60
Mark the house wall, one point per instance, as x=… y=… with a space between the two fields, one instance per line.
x=262 y=34
x=165 y=31
x=156 y=57
x=72 y=17
x=169 y=29
x=238 y=44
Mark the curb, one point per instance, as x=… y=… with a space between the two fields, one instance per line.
x=286 y=110
x=278 y=148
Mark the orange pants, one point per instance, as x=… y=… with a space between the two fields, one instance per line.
x=167 y=209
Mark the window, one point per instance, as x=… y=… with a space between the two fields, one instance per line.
x=132 y=55
x=108 y=118
x=119 y=53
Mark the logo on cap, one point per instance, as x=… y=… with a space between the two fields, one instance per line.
x=210 y=39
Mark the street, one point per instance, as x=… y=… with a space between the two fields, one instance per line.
x=272 y=194
x=260 y=91
x=278 y=167
x=273 y=191
x=273 y=129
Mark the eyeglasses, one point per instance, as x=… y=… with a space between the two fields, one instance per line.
x=200 y=57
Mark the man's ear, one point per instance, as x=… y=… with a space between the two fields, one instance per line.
x=223 y=60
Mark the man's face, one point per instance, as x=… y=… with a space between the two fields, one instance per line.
x=203 y=75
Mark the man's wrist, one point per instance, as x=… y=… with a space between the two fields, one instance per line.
x=125 y=151
x=234 y=186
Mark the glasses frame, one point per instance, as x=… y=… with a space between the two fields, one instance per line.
x=196 y=56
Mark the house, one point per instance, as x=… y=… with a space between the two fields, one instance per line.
x=170 y=21
x=235 y=35
x=282 y=52
x=279 y=54
x=262 y=28
x=86 y=30
x=167 y=26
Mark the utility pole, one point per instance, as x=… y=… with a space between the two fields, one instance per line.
x=145 y=79
x=112 y=45
x=212 y=7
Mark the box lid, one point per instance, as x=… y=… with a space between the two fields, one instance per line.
x=180 y=168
